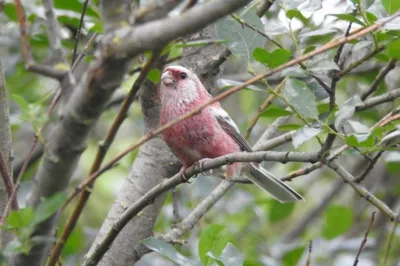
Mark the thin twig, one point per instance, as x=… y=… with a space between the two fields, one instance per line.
x=378 y=79
x=383 y=98
x=368 y=168
x=175 y=207
x=360 y=62
x=364 y=241
x=362 y=191
x=309 y=254
x=264 y=6
x=201 y=209
x=18 y=181
x=78 y=31
x=390 y=241
x=7 y=181
x=263 y=107
x=26 y=50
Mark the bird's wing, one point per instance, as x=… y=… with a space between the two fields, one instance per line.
x=230 y=127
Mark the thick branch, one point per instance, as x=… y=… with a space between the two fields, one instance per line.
x=5 y=148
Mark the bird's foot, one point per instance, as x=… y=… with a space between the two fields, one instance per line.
x=182 y=174
x=200 y=164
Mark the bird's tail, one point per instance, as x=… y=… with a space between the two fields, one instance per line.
x=268 y=182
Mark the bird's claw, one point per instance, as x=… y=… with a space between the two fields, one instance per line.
x=182 y=175
x=200 y=164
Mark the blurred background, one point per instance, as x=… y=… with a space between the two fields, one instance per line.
x=333 y=216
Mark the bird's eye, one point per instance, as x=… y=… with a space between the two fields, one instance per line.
x=183 y=75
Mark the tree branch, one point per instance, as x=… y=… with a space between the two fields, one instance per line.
x=189 y=222
x=383 y=98
x=378 y=79
x=6 y=152
x=172 y=182
x=363 y=192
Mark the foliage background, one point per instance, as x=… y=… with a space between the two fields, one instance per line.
x=261 y=231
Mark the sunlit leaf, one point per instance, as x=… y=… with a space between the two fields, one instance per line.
x=279 y=211
x=392 y=160
x=346 y=111
x=294 y=13
x=274 y=112
x=337 y=220
x=252 y=262
x=300 y=97
x=310 y=5
x=20 y=218
x=393 y=49
x=293 y=256
x=167 y=250
x=241 y=40
x=75 y=5
x=274 y=59
x=154 y=75
x=231 y=256
x=391 y=6
x=48 y=207
x=9 y=10
x=348 y=17
x=304 y=134
x=289 y=127
x=213 y=238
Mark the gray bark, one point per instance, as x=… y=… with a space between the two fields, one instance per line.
x=5 y=145
x=153 y=163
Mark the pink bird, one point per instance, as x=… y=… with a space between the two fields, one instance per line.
x=209 y=134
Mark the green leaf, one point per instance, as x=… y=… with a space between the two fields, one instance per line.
x=294 y=13
x=272 y=60
x=279 y=211
x=21 y=218
x=293 y=256
x=154 y=75
x=391 y=6
x=9 y=10
x=75 y=242
x=371 y=17
x=252 y=262
x=289 y=127
x=48 y=207
x=75 y=5
x=392 y=160
x=305 y=134
x=213 y=238
x=167 y=250
x=347 y=110
x=348 y=17
x=337 y=220
x=393 y=48
x=274 y=112
x=300 y=97
x=231 y=256
x=217 y=260
x=241 y=40
x=22 y=103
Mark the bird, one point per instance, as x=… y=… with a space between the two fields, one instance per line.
x=210 y=133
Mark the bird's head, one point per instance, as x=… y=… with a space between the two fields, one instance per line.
x=180 y=84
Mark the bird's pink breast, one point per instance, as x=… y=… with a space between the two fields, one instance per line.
x=197 y=137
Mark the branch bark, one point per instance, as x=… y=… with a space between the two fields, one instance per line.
x=152 y=164
x=5 y=146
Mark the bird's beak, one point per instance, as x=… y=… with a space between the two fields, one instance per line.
x=167 y=79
